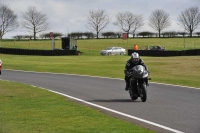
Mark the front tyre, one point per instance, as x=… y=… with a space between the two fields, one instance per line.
x=132 y=95
x=143 y=94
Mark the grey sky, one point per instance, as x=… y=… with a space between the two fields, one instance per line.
x=67 y=16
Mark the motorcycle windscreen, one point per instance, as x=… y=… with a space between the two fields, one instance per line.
x=139 y=71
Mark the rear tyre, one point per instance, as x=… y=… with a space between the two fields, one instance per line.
x=143 y=94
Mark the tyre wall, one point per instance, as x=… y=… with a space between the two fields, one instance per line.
x=16 y=51
x=165 y=53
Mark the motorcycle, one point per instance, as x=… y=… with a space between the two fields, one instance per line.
x=138 y=83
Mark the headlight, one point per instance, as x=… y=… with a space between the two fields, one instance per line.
x=140 y=71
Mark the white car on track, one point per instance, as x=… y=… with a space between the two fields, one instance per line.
x=113 y=51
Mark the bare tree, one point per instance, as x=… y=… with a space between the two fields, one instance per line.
x=97 y=20
x=128 y=21
x=34 y=21
x=159 y=20
x=8 y=20
x=190 y=19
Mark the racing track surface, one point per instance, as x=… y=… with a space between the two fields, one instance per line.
x=172 y=108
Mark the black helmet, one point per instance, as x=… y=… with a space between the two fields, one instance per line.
x=135 y=57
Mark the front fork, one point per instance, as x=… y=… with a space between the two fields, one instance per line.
x=139 y=85
x=134 y=85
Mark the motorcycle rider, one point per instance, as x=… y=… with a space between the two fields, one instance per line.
x=133 y=61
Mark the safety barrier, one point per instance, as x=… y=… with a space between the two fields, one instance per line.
x=17 y=51
x=165 y=53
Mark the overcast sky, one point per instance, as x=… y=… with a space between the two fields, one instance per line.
x=67 y=16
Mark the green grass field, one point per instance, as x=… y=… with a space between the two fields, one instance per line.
x=28 y=109
x=93 y=46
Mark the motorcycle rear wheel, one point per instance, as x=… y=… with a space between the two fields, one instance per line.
x=143 y=95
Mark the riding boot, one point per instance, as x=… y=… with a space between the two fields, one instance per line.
x=127 y=80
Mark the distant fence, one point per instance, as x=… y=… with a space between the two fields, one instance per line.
x=165 y=53
x=17 y=51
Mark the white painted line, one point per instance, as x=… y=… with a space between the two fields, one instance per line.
x=114 y=111
x=111 y=110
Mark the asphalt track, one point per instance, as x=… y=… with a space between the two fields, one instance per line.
x=168 y=108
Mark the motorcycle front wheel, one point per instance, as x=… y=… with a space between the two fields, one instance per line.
x=143 y=94
x=132 y=95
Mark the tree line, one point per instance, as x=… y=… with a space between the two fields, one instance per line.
x=36 y=22
x=109 y=34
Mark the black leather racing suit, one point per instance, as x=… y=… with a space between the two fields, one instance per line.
x=129 y=65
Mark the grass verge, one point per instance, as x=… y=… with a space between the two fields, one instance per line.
x=29 y=109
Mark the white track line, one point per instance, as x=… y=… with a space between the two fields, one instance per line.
x=111 y=110
x=114 y=111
